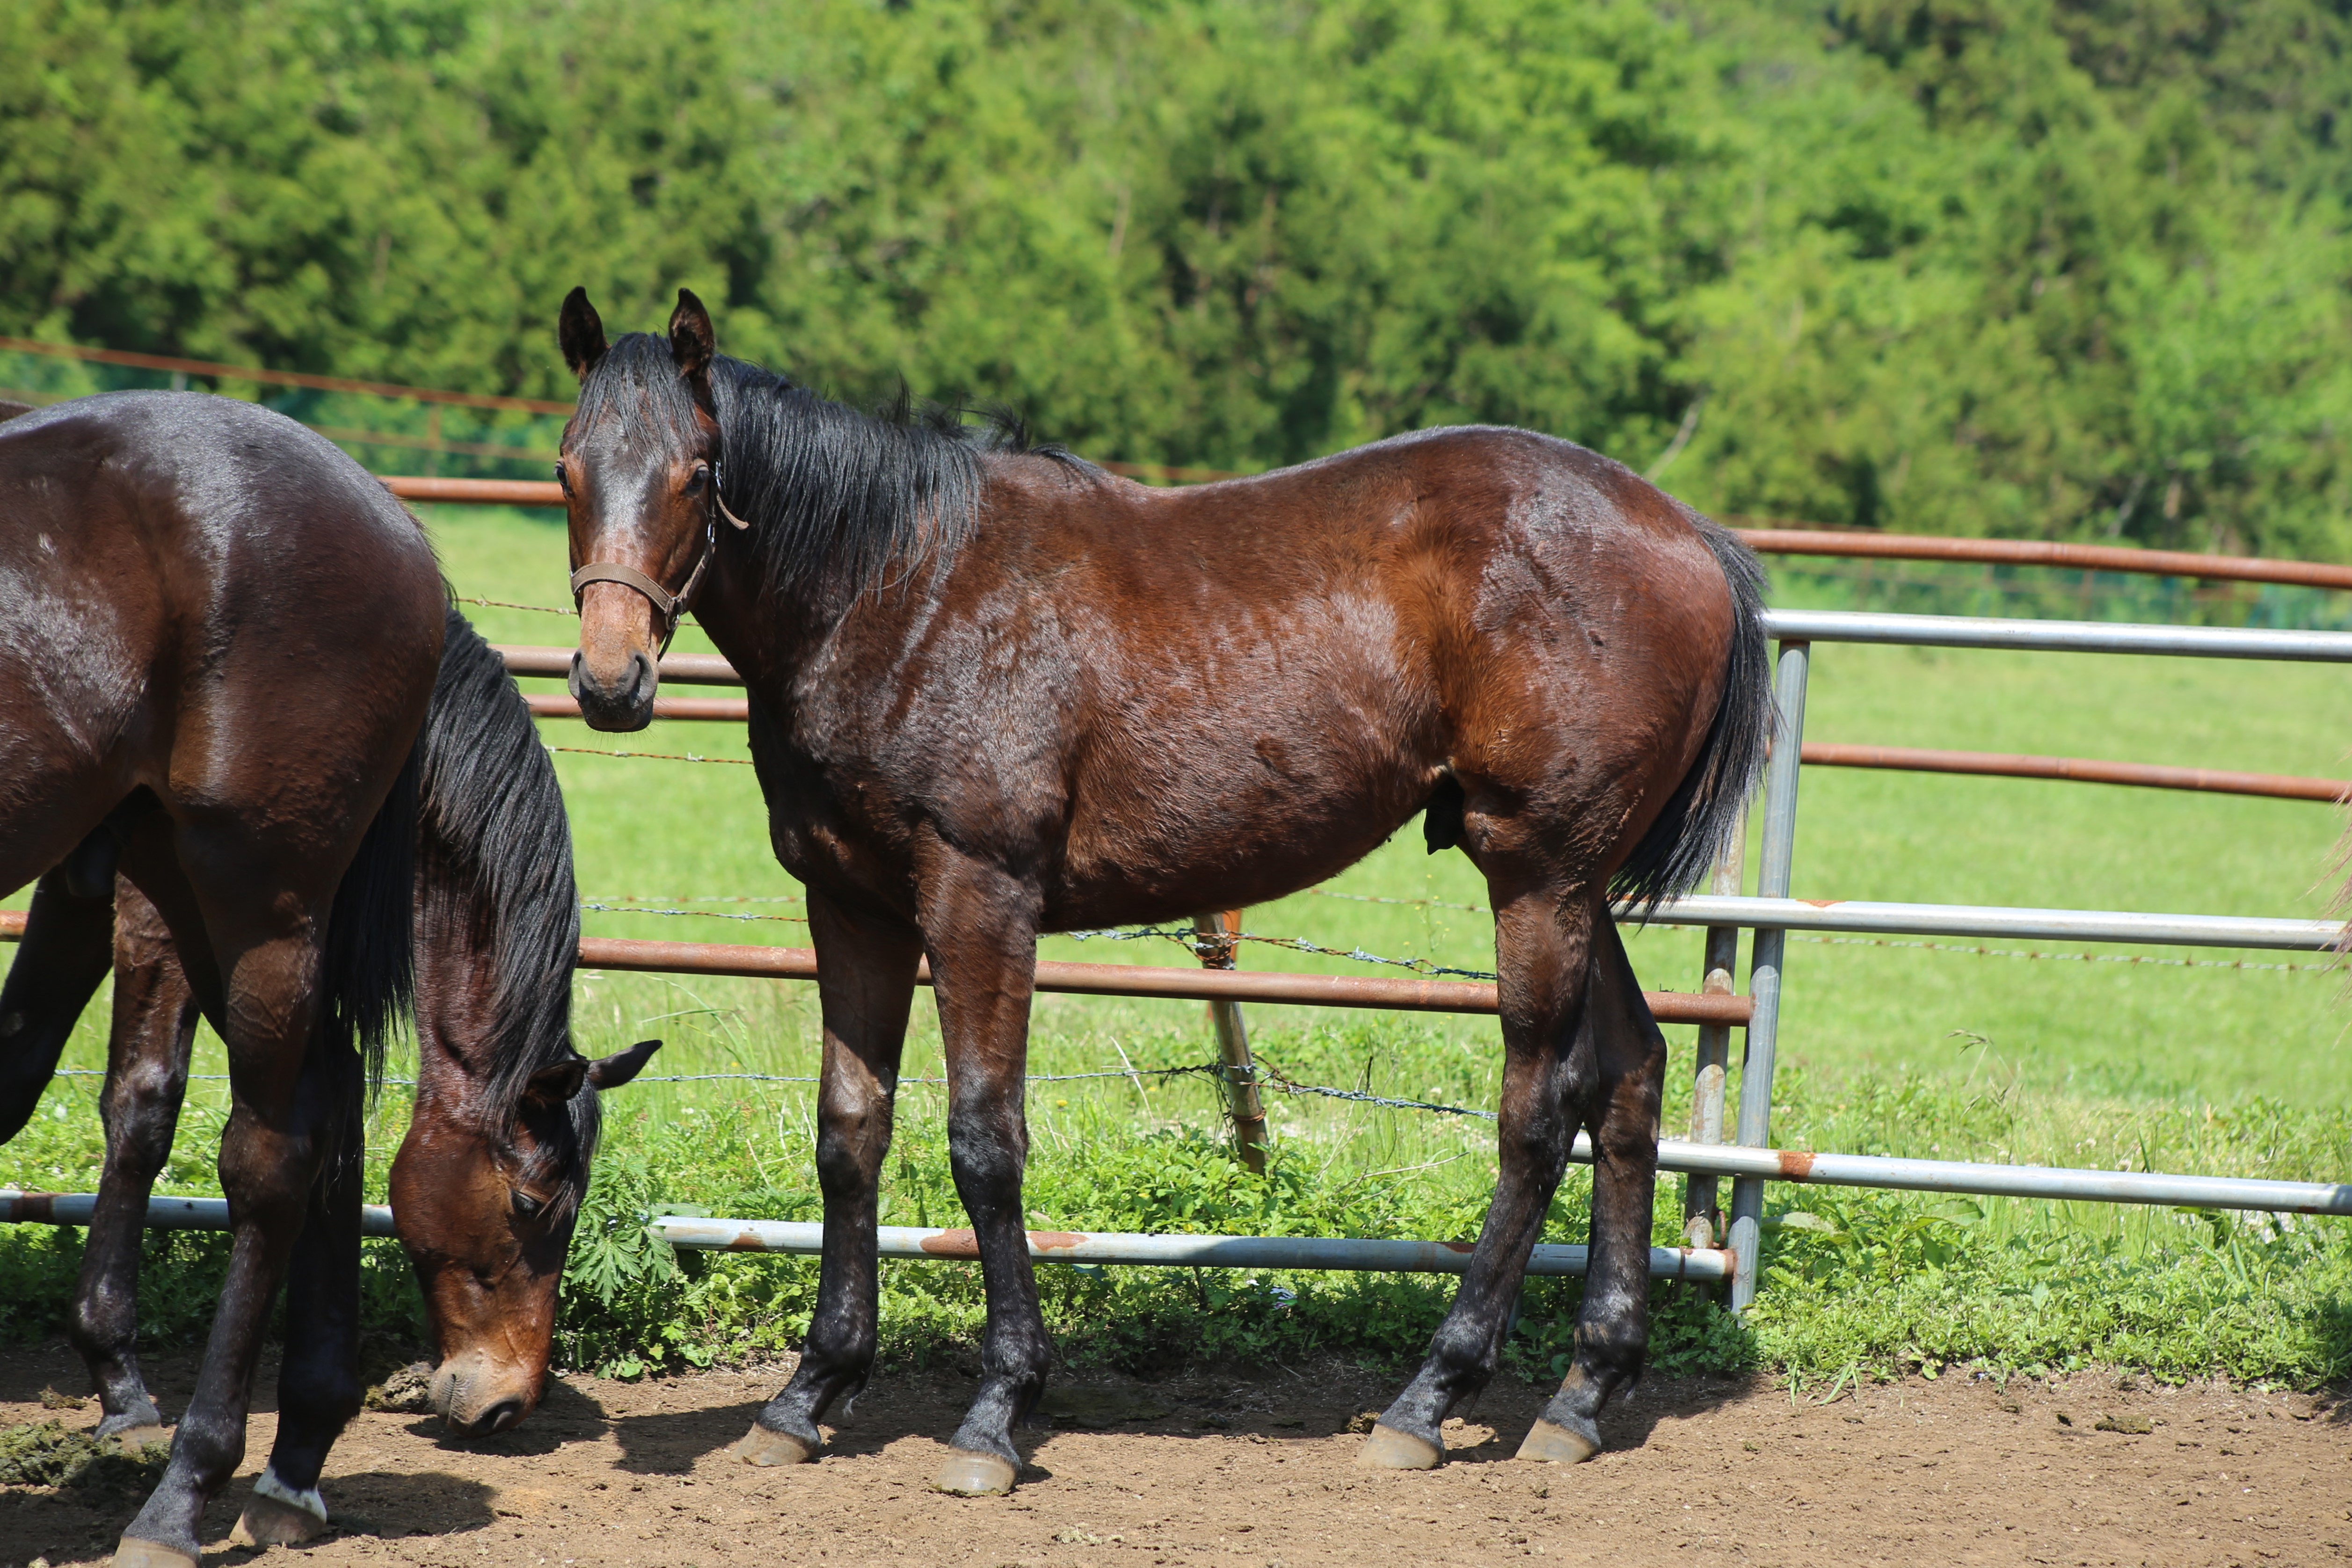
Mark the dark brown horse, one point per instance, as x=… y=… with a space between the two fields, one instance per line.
x=997 y=692
x=218 y=640
x=489 y=1177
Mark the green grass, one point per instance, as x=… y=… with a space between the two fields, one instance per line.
x=1886 y=1048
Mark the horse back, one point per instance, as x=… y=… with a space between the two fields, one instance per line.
x=1246 y=687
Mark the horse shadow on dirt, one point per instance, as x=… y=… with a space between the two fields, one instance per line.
x=921 y=1404
x=392 y=1505
x=565 y=1415
x=669 y=1442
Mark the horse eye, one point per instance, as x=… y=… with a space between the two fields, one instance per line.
x=699 y=477
x=527 y=1206
x=563 y=477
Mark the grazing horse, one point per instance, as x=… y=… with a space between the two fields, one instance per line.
x=997 y=692
x=218 y=640
x=489 y=1180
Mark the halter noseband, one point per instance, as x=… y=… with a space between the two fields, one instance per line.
x=669 y=606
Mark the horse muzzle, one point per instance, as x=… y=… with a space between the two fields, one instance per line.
x=618 y=700
x=475 y=1397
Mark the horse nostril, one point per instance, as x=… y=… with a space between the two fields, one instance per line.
x=578 y=682
x=497 y=1418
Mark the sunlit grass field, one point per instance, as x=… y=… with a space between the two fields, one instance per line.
x=1896 y=1048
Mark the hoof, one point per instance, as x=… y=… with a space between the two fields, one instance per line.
x=133 y=1553
x=135 y=1440
x=761 y=1446
x=267 y=1521
x=968 y=1474
x=1389 y=1449
x=1552 y=1444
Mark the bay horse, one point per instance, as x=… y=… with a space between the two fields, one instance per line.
x=488 y=1179
x=219 y=639
x=995 y=692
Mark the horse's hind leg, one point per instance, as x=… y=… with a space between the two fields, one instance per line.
x=1619 y=1102
x=866 y=984
x=1542 y=948
x=146 y=1076
x=254 y=957
x=58 y=965
x=319 y=1382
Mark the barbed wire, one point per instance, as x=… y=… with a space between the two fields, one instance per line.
x=592 y=907
x=510 y=604
x=1274 y=1077
x=1213 y=943
x=654 y=755
x=704 y=898
x=1405 y=902
x=1212 y=1069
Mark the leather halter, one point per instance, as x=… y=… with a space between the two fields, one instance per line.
x=668 y=606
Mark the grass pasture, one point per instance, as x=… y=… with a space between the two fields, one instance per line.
x=1887 y=1048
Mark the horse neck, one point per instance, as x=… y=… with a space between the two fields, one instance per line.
x=458 y=1027
x=769 y=634
x=486 y=1000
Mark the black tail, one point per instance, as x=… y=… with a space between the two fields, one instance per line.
x=370 y=972
x=1700 y=820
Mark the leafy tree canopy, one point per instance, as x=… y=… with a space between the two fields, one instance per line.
x=2068 y=268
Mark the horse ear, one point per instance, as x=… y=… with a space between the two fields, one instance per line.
x=691 y=339
x=611 y=1071
x=554 y=1085
x=581 y=332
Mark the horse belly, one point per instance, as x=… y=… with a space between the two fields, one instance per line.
x=1254 y=813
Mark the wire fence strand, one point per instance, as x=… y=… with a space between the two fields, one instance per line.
x=654 y=756
x=510 y=604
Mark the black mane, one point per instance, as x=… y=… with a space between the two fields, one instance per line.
x=838 y=500
x=495 y=858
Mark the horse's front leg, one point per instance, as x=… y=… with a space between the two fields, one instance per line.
x=866 y=983
x=146 y=1075
x=1620 y=1106
x=1543 y=953
x=984 y=952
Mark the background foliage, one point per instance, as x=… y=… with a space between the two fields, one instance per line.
x=2049 y=267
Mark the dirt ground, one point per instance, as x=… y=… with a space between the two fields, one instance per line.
x=1255 y=1470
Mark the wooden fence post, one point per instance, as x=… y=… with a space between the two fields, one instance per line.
x=1701 y=1218
x=1219 y=935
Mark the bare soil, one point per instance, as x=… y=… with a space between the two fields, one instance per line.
x=1255 y=1468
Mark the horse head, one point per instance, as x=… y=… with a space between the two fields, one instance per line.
x=486 y=1206
x=640 y=475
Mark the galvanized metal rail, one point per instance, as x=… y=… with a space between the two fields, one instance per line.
x=807 y=1237
x=1867 y=916
x=162 y=1213
x=1773 y=913
x=2057 y=636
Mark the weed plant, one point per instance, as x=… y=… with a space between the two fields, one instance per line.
x=2139 y=1063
